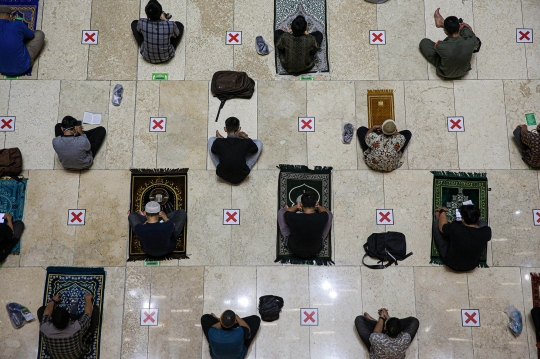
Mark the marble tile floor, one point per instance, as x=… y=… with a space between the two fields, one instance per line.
x=232 y=266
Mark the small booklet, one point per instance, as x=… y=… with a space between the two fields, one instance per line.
x=92 y=118
x=531 y=121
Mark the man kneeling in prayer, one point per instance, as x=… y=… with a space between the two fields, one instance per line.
x=158 y=238
x=304 y=232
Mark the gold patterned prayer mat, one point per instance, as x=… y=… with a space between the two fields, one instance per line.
x=380 y=106
x=450 y=190
x=72 y=283
x=285 y=11
x=293 y=182
x=168 y=187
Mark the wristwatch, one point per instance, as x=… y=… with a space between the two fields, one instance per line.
x=384 y=320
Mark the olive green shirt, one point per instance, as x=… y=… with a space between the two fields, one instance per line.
x=456 y=54
x=297 y=54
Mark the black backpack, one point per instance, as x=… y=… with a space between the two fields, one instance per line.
x=269 y=307
x=388 y=247
x=231 y=84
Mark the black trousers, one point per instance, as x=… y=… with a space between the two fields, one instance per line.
x=362 y=131
x=7 y=245
x=175 y=41
x=318 y=36
x=93 y=321
x=535 y=314
x=253 y=321
x=96 y=136
x=365 y=327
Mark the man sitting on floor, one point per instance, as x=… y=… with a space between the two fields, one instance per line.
x=529 y=145
x=19 y=45
x=383 y=146
x=10 y=233
x=297 y=47
x=68 y=335
x=157 y=37
x=229 y=336
x=452 y=56
x=76 y=149
x=157 y=238
x=461 y=243
x=235 y=155
x=304 y=232
x=386 y=337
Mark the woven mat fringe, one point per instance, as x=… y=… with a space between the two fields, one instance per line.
x=324 y=169
x=319 y=262
x=438 y=261
x=163 y=258
x=464 y=175
x=159 y=170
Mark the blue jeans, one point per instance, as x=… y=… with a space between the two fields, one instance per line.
x=250 y=159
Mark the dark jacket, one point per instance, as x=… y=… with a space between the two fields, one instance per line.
x=297 y=53
x=232 y=152
x=456 y=54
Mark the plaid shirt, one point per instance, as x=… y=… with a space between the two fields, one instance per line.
x=531 y=155
x=64 y=344
x=156 y=46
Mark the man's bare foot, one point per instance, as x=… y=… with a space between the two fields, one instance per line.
x=366 y=314
x=538 y=345
x=437 y=214
x=439 y=20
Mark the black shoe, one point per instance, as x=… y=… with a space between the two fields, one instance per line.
x=168 y=16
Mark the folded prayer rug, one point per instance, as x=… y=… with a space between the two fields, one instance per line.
x=380 y=106
x=315 y=13
x=450 y=190
x=12 y=198
x=72 y=283
x=293 y=182
x=168 y=187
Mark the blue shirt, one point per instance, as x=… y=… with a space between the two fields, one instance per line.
x=14 y=57
x=227 y=344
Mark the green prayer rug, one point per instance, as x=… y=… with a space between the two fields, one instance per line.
x=293 y=182
x=285 y=11
x=450 y=190
x=12 y=199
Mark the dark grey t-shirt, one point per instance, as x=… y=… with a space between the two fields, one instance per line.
x=73 y=152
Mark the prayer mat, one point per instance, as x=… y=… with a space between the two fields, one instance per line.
x=26 y=10
x=72 y=283
x=293 y=182
x=535 y=285
x=285 y=11
x=450 y=190
x=168 y=187
x=12 y=198
x=380 y=106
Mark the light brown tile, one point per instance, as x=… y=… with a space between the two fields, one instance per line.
x=145 y=142
x=47 y=239
x=184 y=144
x=120 y=128
x=63 y=56
x=113 y=304
x=531 y=12
x=528 y=325
x=137 y=296
x=103 y=239
x=178 y=293
x=206 y=51
x=35 y=104
x=427 y=105
x=115 y=55
x=279 y=106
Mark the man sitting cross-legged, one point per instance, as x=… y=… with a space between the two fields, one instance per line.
x=157 y=238
x=386 y=337
x=157 y=36
x=67 y=335
x=229 y=336
x=10 y=233
x=304 y=232
x=235 y=155
x=461 y=243
x=529 y=145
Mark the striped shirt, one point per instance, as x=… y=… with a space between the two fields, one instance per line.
x=69 y=343
x=156 y=47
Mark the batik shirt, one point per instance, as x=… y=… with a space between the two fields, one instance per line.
x=531 y=155
x=384 y=152
x=157 y=34
x=69 y=343
x=384 y=347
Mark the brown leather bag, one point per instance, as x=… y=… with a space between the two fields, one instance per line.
x=10 y=162
x=231 y=84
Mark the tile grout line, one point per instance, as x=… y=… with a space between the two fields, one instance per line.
x=524 y=45
x=507 y=124
x=469 y=304
x=134 y=124
x=149 y=307
x=159 y=114
x=524 y=327
x=88 y=49
x=76 y=231
x=415 y=313
x=455 y=134
x=123 y=309
x=203 y=337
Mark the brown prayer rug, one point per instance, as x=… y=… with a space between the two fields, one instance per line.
x=380 y=106
x=168 y=187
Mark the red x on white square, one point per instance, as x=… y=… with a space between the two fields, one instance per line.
x=89 y=37
x=524 y=35
x=385 y=217
x=76 y=217
x=309 y=316
x=7 y=124
x=377 y=37
x=470 y=317
x=231 y=217
x=233 y=38
x=306 y=124
x=149 y=317
x=456 y=124
x=158 y=124
x=536 y=217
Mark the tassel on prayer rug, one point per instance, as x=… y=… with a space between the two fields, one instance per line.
x=293 y=182
x=12 y=198
x=380 y=106
x=72 y=283
x=315 y=13
x=168 y=187
x=450 y=190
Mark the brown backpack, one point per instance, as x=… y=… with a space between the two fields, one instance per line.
x=231 y=84
x=10 y=162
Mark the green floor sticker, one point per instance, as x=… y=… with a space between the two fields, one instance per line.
x=306 y=77
x=160 y=76
x=11 y=77
x=151 y=263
